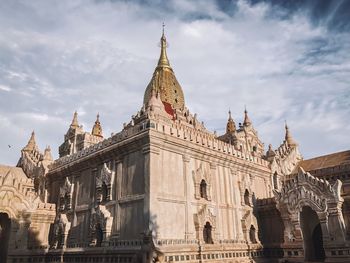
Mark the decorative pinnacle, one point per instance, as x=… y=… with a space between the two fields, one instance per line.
x=97 y=129
x=75 y=123
x=288 y=137
x=231 y=126
x=31 y=145
x=246 y=121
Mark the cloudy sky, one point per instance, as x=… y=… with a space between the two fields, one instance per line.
x=284 y=60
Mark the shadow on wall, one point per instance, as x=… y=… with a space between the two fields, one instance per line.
x=16 y=235
x=151 y=251
x=271 y=227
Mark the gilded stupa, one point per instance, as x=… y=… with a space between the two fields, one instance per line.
x=165 y=83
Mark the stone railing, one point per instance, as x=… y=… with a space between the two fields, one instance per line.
x=170 y=242
x=205 y=139
x=111 y=243
x=174 y=242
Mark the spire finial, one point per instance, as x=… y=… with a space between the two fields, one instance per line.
x=163 y=59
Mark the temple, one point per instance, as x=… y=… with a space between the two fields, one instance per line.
x=166 y=189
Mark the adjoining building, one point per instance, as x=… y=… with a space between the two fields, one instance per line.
x=165 y=189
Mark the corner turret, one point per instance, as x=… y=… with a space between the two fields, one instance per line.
x=76 y=139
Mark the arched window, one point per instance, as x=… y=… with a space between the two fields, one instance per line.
x=252 y=234
x=203 y=189
x=207 y=235
x=275 y=182
x=104 y=191
x=246 y=197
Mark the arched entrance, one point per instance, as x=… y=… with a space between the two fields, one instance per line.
x=5 y=227
x=312 y=235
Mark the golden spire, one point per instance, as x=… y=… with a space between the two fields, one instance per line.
x=246 y=121
x=97 y=129
x=163 y=59
x=231 y=126
x=288 y=137
x=31 y=145
x=165 y=82
x=75 y=123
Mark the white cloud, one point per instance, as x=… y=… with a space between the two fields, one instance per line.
x=5 y=88
x=99 y=57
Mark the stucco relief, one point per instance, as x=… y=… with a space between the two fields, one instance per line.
x=204 y=216
x=24 y=208
x=100 y=225
x=324 y=198
x=245 y=187
x=198 y=176
x=104 y=182
x=60 y=231
x=66 y=192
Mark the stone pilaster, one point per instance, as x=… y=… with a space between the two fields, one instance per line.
x=187 y=184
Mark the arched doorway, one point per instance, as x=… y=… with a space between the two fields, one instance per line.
x=5 y=227
x=312 y=235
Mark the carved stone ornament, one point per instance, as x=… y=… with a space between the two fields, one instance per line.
x=104 y=182
x=100 y=220
x=199 y=175
x=319 y=195
x=66 y=195
x=203 y=216
x=60 y=232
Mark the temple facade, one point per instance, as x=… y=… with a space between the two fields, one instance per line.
x=165 y=189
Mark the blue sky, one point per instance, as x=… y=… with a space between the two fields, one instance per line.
x=284 y=60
